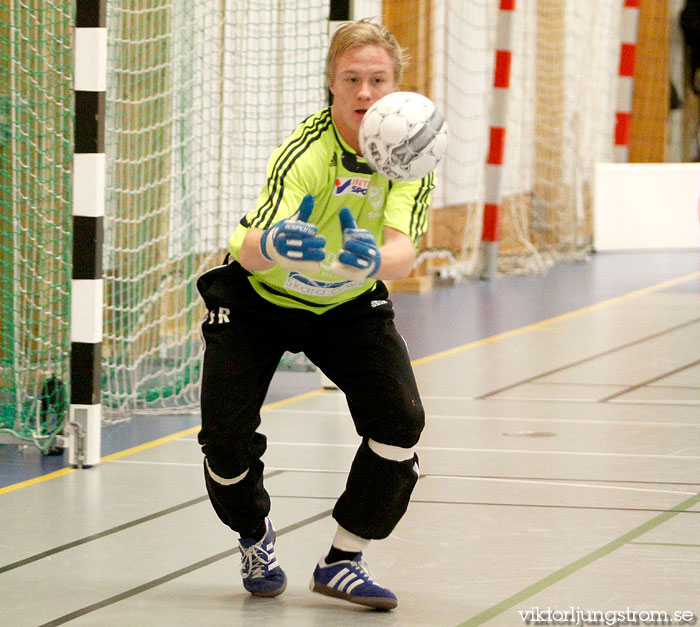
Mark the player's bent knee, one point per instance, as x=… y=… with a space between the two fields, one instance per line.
x=401 y=430
x=414 y=419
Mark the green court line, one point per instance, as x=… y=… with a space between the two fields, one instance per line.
x=692 y=546
x=580 y=563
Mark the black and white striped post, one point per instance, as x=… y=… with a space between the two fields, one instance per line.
x=90 y=82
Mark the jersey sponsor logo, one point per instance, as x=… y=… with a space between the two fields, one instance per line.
x=354 y=185
x=313 y=287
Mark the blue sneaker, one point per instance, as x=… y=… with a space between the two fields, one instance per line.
x=352 y=581
x=262 y=575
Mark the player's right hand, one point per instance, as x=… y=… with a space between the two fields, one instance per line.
x=293 y=243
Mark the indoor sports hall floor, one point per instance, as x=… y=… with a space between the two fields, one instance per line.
x=560 y=473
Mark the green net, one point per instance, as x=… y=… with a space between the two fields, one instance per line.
x=199 y=94
x=35 y=216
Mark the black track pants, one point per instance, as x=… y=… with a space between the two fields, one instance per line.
x=356 y=345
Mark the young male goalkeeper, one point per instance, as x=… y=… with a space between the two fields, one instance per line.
x=305 y=274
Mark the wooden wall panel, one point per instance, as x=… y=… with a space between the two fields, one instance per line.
x=411 y=23
x=650 y=104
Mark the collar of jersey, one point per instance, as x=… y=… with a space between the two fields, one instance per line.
x=351 y=161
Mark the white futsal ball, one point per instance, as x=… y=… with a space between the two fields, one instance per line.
x=403 y=136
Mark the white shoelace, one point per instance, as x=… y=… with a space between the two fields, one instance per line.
x=255 y=559
x=364 y=568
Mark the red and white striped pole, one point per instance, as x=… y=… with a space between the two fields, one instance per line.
x=497 y=140
x=625 y=80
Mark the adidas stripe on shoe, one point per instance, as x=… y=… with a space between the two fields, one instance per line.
x=351 y=580
x=262 y=575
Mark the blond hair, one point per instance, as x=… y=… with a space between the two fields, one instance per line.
x=364 y=33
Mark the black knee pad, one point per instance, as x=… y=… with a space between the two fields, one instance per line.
x=376 y=495
x=229 y=454
x=241 y=505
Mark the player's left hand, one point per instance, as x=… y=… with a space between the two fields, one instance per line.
x=360 y=256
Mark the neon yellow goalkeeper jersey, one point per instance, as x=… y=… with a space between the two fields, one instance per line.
x=315 y=160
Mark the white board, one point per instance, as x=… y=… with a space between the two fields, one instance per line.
x=646 y=206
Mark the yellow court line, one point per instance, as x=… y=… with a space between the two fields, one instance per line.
x=555 y=319
x=35 y=480
x=415 y=362
x=192 y=430
x=147 y=445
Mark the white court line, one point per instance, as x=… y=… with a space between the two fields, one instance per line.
x=592 y=401
x=495 y=450
x=267 y=468
x=556 y=483
x=633 y=401
x=147 y=463
x=568 y=421
x=317 y=412
x=483 y=450
x=571 y=483
x=526 y=452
